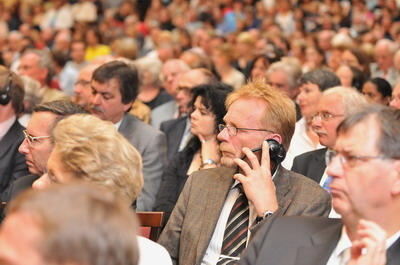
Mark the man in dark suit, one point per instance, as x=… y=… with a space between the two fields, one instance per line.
x=197 y=231
x=334 y=106
x=365 y=168
x=12 y=163
x=114 y=89
x=37 y=145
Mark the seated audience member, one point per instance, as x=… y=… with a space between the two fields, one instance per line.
x=91 y=150
x=211 y=198
x=258 y=67
x=395 y=101
x=177 y=130
x=222 y=58
x=150 y=91
x=82 y=90
x=202 y=151
x=78 y=224
x=383 y=66
x=12 y=163
x=37 y=145
x=377 y=90
x=311 y=86
x=350 y=76
x=114 y=89
x=365 y=168
x=334 y=106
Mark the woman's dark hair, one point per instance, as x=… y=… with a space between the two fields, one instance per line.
x=358 y=78
x=266 y=60
x=213 y=98
x=382 y=86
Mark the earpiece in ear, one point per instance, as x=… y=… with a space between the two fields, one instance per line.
x=5 y=92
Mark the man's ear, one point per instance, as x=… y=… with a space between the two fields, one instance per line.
x=276 y=137
x=396 y=185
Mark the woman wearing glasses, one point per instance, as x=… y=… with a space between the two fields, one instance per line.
x=201 y=152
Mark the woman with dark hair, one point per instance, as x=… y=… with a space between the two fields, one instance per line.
x=94 y=45
x=258 y=67
x=201 y=152
x=378 y=90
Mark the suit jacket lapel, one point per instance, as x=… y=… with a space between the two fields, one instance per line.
x=318 y=166
x=323 y=243
x=214 y=201
x=9 y=139
x=393 y=253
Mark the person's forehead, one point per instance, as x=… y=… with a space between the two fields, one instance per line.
x=331 y=103
x=110 y=86
x=41 y=122
x=360 y=138
x=237 y=116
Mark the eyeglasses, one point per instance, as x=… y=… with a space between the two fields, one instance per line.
x=232 y=130
x=33 y=139
x=325 y=116
x=350 y=160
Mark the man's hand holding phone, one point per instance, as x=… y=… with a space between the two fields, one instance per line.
x=256 y=179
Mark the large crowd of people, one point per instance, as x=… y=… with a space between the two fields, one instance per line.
x=266 y=131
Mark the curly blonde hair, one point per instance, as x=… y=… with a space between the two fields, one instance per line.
x=93 y=150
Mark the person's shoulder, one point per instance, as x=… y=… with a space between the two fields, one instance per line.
x=152 y=253
x=133 y=121
x=303 y=183
x=307 y=155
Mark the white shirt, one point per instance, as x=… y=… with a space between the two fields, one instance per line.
x=299 y=144
x=151 y=253
x=213 y=251
x=345 y=243
x=5 y=126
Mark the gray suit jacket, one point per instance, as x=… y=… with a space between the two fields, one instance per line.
x=163 y=113
x=193 y=220
x=300 y=241
x=152 y=146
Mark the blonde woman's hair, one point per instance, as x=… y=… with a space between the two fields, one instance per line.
x=93 y=150
x=280 y=114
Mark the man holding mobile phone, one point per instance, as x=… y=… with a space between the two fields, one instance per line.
x=212 y=219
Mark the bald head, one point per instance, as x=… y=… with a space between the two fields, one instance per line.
x=169 y=73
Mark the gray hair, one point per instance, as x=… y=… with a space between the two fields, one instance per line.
x=291 y=70
x=352 y=100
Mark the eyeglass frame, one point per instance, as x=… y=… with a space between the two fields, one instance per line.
x=325 y=116
x=222 y=127
x=33 y=139
x=350 y=160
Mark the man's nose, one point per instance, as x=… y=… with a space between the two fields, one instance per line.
x=24 y=147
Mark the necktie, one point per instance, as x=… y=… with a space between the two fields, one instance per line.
x=235 y=235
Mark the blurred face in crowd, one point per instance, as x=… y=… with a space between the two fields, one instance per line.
x=202 y=120
x=308 y=99
x=78 y=51
x=395 y=101
x=259 y=69
x=170 y=72
x=82 y=89
x=383 y=57
x=37 y=150
x=345 y=75
x=361 y=186
x=29 y=66
x=106 y=101
x=279 y=80
x=330 y=113
x=370 y=90
x=185 y=83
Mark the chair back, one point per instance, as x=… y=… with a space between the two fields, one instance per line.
x=151 y=224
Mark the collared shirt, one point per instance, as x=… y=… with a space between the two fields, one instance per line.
x=213 y=251
x=5 y=126
x=344 y=243
x=118 y=124
x=186 y=135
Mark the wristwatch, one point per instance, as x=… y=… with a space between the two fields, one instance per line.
x=209 y=162
x=265 y=216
